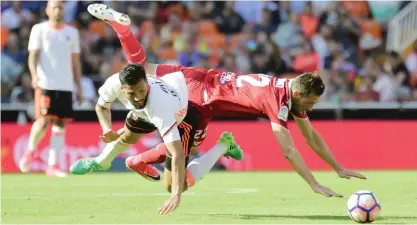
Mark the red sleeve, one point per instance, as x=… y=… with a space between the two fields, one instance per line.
x=163 y=69
x=276 y=113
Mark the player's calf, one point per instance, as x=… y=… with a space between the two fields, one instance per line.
x=36 y=134
x=57 y=143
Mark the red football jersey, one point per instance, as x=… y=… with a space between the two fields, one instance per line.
x=229 y=94
x=195 y=78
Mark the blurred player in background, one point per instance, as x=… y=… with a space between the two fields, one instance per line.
x=228 y=94
x=54 y=64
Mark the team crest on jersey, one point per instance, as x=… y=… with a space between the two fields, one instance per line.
x=283 y=113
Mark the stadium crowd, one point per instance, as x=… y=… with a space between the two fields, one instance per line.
x=344 y=40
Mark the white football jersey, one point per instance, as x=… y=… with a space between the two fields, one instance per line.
x=166 y=105
x=56 y=46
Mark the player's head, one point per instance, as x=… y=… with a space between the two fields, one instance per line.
x=134 y=84
x=55 y=11
x=306 y=91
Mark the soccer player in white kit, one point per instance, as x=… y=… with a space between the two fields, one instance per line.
x=154 y=104
x=54 y=64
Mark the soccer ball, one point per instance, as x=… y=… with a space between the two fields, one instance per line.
x=363 y=207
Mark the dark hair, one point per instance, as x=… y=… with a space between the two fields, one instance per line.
x=309 y=84
x=131 y=74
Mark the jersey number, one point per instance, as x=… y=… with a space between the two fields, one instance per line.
x=200 y=134
x=253 y=81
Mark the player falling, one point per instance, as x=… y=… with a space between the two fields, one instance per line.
x=156 y=104
x=228 y=94
x=54 y=64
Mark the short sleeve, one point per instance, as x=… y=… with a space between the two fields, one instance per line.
x=35 y=38
x=76 y=43
x=163 y=69
x=107 y=92
x=277 y=114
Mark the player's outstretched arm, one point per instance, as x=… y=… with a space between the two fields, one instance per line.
x=104 y=118
x=317 y=143
x=178 y=176
x=293 y=156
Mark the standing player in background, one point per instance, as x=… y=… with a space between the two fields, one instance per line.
x=228 y=94
x=54 y=64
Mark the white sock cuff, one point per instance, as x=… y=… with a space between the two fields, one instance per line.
x=57 y=129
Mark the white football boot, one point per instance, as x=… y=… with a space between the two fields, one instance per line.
x=107 y=14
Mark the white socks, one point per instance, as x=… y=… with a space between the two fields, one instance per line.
x=57 y=143
x=110 y=152
x=201 y=166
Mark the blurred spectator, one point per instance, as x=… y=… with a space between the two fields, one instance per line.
x=412 y=67
x=5 y=92
x=265 y=23
x=384 y=85
x=10 y=69
x=371 y=36
x=250 y=11
x=108 y=44
x=89 y=92
x=13 y=49
x=411 y=61
x=395 y=67
x=205 y=62
x=260 y=61
x=15 y=16
x=276 y=63
x=347 y=32
x=282 y=13
x=309 y=21
x=228 y=21
x=171 y=30
x=22 y=92
x=320 y=42
x=379 y=82
x=330 y=15
x=286 y=32
x=228 y=63
x=356 y=9
x=366 y=92
x=308 y=61
x=190 y=46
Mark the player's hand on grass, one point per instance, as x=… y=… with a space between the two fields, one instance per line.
x=170 y=205
x=109 y=136
x=320 y=189
x=348 y=174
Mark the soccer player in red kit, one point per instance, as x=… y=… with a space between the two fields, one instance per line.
x=228 y=94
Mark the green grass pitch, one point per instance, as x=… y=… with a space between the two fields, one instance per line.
x=221 y=197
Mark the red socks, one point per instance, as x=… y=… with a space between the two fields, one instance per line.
x=133 y=49
x=153 y=156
